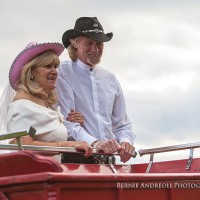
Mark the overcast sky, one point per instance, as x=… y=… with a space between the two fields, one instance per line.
x=154 y=53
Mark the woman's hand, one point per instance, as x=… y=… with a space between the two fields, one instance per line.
x=82 y=146
x=76 y=117
x=78 y=145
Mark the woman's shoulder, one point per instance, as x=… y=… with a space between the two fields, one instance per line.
x=25 y=101
x=22 y=95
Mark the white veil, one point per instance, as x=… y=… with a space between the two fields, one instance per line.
x=5 y=100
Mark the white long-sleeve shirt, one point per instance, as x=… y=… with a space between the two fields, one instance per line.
x=96 y=93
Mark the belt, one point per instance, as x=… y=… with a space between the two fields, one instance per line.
x=80 y=158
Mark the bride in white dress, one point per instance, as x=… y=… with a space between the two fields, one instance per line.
x=33 y=76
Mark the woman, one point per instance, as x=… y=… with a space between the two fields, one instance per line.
x=33 y=76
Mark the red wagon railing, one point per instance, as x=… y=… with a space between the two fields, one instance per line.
x=25 y=174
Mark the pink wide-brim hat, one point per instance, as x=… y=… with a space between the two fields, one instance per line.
x=32 y=50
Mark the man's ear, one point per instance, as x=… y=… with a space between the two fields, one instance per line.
x=74 y=43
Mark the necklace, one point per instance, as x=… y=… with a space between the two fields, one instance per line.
x=45 y=103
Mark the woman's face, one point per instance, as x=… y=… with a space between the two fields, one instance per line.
x=46 y=76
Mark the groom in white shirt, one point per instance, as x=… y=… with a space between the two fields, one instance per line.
x=84 y=86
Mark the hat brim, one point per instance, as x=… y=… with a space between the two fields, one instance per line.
x=73 y=33
x=27 y=55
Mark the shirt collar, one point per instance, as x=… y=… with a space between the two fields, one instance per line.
x=83 y=66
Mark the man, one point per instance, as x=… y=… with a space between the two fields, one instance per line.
x=87 y=88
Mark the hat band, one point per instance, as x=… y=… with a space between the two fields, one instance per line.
x=96 y=30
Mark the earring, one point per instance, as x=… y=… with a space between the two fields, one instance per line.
x=32 y=77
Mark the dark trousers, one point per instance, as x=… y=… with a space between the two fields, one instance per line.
x=80 y=158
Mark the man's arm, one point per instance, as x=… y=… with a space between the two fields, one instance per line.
x=66 y=102
x=122 y=127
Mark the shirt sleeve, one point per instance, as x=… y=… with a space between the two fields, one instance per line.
x=122 y=126
x=66 y=102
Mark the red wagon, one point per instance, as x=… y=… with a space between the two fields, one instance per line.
x=28 y=175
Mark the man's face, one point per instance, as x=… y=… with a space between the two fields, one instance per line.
x=89 y=51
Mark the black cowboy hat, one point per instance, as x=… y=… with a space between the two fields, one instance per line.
x=88 y=27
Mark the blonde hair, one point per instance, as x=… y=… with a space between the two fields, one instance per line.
x=27 y=84
x=72 y=48
x=72 y=52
